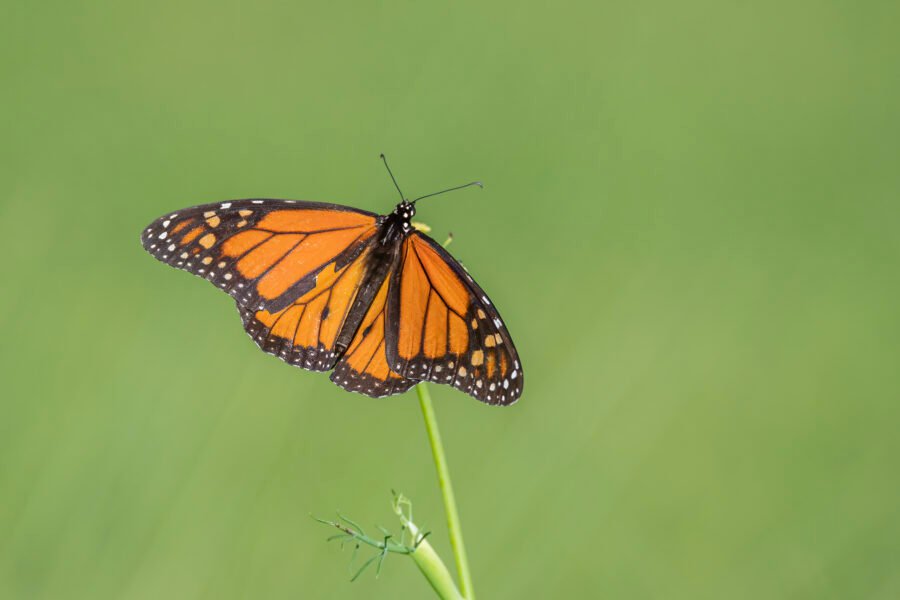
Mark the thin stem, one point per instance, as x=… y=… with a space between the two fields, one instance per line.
x=435 y=572
x=425 y=557
x=443 y=473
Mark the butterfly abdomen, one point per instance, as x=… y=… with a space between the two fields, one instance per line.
x=380 y=261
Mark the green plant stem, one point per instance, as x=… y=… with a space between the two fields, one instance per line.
x=443 y=474
x=433 y=567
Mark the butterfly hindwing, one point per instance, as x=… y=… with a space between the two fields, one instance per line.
x=305 y=333
x=265 y=253
x=364 y=367
x=442 y=327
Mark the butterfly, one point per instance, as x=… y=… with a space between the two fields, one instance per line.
x=328 y=287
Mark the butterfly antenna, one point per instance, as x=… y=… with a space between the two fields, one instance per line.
x=459 y=187
x=396 y=185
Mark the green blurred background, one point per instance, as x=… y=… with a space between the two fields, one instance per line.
x=689 y=223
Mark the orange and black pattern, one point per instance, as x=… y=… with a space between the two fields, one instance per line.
x=265 y=253
x=446 y=329
x=305 y=332
x=364 y=367
x=327 y=287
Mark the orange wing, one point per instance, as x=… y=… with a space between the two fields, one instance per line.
x=442 y=327
x=305 y=332
x=265 y=253
x=364 y=368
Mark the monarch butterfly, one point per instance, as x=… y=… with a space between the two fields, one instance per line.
x=332 y=288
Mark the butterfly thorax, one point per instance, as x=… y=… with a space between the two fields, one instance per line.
x=398 y=224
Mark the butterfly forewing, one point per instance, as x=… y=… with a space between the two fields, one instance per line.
x=265 y=253
x=443 y=328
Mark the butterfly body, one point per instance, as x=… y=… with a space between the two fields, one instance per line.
x=332 y=288
x=382 y=259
